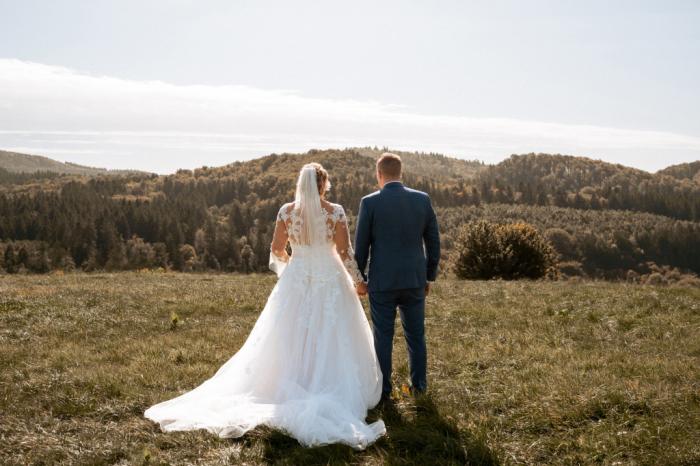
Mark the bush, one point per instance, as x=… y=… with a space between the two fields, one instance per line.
x=188 y=256
x=563 y=242
x=655 y=278
x=139 y=254
x=487 y=250
x=666 y=275
x=571 y=269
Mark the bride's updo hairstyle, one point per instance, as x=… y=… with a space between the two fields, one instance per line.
x=321 y=178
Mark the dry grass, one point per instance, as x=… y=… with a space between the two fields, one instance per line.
x=519 y=373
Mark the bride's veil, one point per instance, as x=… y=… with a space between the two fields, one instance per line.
x=308 y=202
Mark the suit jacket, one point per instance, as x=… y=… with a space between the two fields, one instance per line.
x=398 y=228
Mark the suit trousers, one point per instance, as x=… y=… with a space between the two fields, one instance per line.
x=411 y=305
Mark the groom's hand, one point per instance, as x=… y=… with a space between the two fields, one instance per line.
x=361 y=288
x=427 y=288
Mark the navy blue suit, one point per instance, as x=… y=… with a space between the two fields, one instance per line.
x=398 y=228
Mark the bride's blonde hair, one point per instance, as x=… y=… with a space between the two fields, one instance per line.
x=322 y=182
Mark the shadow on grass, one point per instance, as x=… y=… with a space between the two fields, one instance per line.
x=417 y=434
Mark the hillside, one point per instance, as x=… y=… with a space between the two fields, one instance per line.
x=15 y=162
x=606 y=220
x=690 y=171
x=438 y=166
x=580 y=182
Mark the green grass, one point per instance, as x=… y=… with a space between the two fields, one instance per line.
x=518 y=372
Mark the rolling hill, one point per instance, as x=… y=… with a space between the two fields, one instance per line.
x=580 y=182
x=690 y=171
x=15 y=162
x=607 y=220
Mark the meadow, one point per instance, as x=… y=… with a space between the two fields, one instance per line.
x=524 y=372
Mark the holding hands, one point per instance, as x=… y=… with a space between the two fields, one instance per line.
x=361 y=288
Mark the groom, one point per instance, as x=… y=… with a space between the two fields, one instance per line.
x=398 y=228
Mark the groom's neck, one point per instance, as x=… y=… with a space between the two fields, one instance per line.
x=391 y=181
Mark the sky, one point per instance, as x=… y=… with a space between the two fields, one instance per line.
x=159 y=85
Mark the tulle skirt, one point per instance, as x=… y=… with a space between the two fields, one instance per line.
x=307 y=368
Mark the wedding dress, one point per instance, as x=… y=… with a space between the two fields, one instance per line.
x=308 y=366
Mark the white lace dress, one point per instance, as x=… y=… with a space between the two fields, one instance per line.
x=308 y=366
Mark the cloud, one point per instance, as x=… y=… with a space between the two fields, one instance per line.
x=159 y=126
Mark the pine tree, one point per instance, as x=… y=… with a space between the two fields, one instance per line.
x=10 y=259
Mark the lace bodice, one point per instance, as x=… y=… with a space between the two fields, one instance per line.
x=332 y=226
x=293 y=222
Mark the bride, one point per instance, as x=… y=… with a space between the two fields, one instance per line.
x=308 y=366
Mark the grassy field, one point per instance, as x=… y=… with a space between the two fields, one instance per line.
x=519 y=373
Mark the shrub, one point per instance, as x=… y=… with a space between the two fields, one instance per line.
x=478 y=251
x=688 y=280
x=667 y=275
x=139 y=254
x=655 y=278
x=563 y=242
x=188 y=256
x=487 y=250
x=571 y=269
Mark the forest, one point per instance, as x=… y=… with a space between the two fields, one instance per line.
x=604 y=220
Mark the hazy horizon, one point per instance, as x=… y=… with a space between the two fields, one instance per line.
x=390 y=149
x=182 y=84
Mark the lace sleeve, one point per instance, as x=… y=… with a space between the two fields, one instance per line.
x=344 y=246
x=278 y=247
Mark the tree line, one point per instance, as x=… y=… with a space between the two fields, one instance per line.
x=222 y=218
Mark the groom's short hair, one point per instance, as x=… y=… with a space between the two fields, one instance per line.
x=389 y=165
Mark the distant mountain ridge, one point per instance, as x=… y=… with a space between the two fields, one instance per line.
x=16 y=162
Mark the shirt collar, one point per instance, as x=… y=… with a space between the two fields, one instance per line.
x=391 y=184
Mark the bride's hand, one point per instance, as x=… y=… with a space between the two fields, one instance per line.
x=361 y=288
